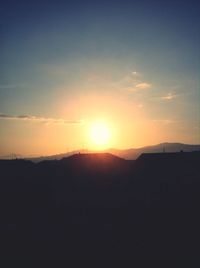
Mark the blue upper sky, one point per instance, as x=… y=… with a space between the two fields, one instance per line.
x=54 y=51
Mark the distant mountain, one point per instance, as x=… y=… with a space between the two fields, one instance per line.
x=129 y=154
x=12 y=156
x=162 y=147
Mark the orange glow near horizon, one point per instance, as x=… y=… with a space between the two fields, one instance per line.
x=91 y=121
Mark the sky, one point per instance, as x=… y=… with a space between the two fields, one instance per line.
x=65 y=65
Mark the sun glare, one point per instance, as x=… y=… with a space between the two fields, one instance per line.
x=100 y=134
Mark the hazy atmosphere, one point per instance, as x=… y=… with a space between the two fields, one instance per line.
x=98 y=74
x=99 y=133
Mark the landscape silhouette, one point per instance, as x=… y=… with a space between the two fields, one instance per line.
x=99 y=133
x=100 y=209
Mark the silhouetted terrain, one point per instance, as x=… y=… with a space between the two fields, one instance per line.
x=101 y=209
x=129 y=154
x=168 y=147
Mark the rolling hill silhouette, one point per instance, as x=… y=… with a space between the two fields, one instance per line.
x=129 y=154
x=100 y=208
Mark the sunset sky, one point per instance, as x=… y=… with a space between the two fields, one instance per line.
x=67 y=65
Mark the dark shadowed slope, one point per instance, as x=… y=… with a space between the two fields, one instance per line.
x=99 y=209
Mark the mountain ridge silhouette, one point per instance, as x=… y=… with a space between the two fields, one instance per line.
x=129 y=154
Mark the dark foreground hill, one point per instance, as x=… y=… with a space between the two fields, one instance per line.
x=101 y=210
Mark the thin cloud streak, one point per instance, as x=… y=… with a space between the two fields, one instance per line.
x=40 y=119
x=140 y=86
x=169 y=96
x=143 y=86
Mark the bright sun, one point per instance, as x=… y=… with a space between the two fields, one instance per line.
x=100 y=134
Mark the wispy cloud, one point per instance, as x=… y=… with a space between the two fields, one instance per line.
x=133 y=82
x=40 y=119
x=138 y=87
x=135 y=74
x=143 y=85
x=169 y=97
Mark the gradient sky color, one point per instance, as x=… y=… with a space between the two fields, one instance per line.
x=67 y=64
